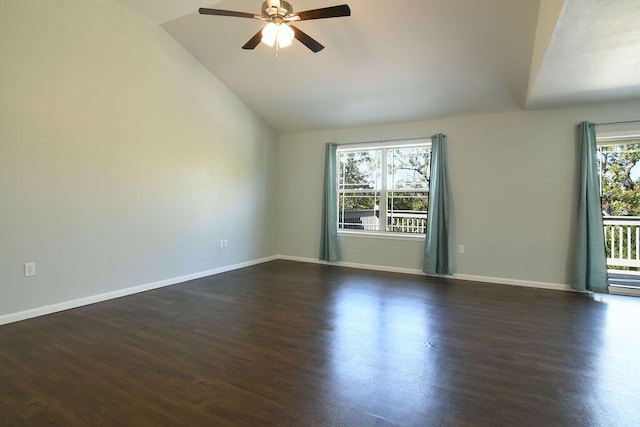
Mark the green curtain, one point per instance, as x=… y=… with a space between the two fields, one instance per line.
x=590 y=259
x=329 y=229
x=437 y=255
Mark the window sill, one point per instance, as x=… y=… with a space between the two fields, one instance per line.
x=381 y=236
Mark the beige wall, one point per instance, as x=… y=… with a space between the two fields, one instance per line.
x=513 y=179
x=123 y=161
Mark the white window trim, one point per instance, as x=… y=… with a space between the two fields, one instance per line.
x=614 y=137
x=388 y=235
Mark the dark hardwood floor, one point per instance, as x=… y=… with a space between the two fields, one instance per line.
x=294 y=344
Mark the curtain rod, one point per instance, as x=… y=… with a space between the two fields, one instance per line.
x=382 y=141
x=614 y=123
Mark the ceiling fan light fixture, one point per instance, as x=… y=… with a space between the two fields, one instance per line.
x=281 y=33
x=269 y=34
x=285 y=35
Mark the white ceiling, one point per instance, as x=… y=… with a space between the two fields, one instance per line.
x=409 y=60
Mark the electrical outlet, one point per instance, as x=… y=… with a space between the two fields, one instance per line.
x=29 y=269
x=226 y=243
x=460 y=249
x=221 y=244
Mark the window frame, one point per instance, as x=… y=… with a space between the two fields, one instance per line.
x=383 y=189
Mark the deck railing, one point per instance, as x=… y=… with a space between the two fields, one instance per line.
x=398 y=221
x=622 y=240
x=408 y=222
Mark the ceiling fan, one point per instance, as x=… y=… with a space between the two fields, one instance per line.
x=279 y=15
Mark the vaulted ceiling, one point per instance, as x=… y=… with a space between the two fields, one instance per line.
x=410 y=60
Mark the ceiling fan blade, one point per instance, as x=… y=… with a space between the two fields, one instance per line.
x=325 y=12
x=219 y=12
x=306 y=40
x=253 y=41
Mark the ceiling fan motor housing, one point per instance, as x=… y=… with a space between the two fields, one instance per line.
x=280 y=9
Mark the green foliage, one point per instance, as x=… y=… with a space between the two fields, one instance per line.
x=408 y=169
x=620 y=188
x=407 y=201
x=358 y=172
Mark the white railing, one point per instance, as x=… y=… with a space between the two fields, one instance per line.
x=399 y=222
x=408 y=223
x=622 y=240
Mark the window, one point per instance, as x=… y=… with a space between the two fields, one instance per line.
x=384 y=189
x=619 y=172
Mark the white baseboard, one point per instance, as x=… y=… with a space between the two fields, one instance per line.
x=466 y=277
x=353 y=265
x=66 y=305
x=514 y=282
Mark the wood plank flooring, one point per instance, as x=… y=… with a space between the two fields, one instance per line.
x=293 y=344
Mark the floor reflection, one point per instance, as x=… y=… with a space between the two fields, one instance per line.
x=617 y=381
x=442 y=354
x=380 y=355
